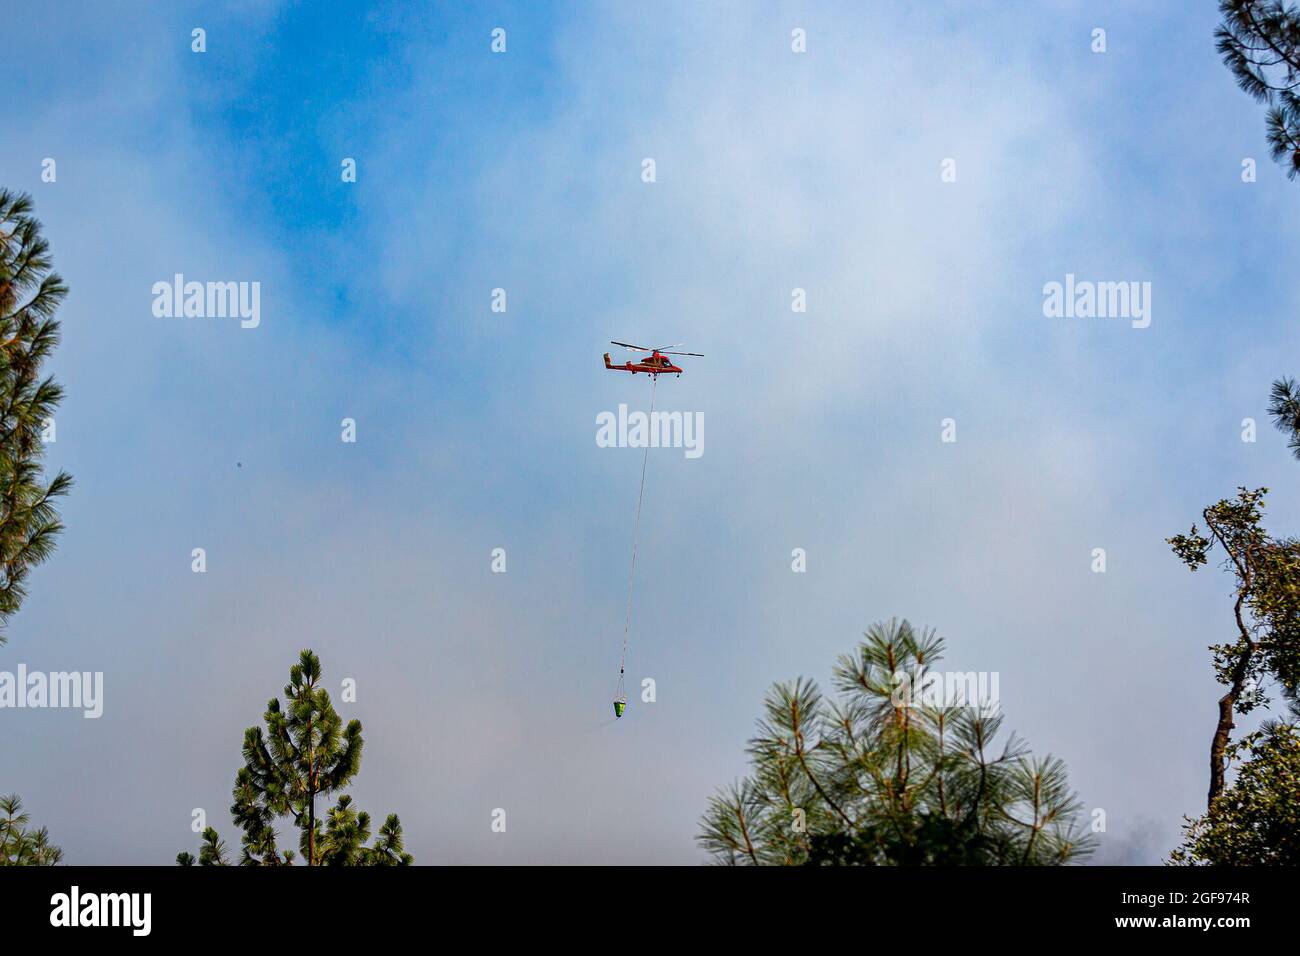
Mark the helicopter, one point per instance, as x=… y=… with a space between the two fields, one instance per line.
x=656 y=363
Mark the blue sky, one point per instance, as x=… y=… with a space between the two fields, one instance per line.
x=476 y=430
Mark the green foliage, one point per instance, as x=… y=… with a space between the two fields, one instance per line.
x=1256 y=820
x=1284 y=407
x=347 y=832
x=306 y=752
x=925 y=839
x=878 y=779
x=211 y=853
x=1267 y=573
x=20 y=845
x=1259 y=41
x=29 y=296
x=1266 y=612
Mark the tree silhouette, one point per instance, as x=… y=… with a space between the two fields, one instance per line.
x=1259 y=41
x=306 y=752
x=884 y=778
x=1266 y=612
x=1284 y=408
x=1256 y=820
x=29 y=296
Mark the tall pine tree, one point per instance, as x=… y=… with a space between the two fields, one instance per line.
x=1259 y=41
x=306 y=753
x=29 y=296
x=882 y=778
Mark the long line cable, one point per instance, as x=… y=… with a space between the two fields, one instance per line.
x=636 y=530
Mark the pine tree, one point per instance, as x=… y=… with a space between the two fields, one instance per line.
x=29 y=296
x=20 y=846
x=883 y=778
x=1284 y=408
x=306 y=753
x=1259 y=41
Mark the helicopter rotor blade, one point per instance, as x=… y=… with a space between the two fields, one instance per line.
x=696 y=354
x=631 y=348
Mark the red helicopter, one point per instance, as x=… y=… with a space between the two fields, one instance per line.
x=656 y=363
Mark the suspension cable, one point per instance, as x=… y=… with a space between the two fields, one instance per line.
x=636 y=530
